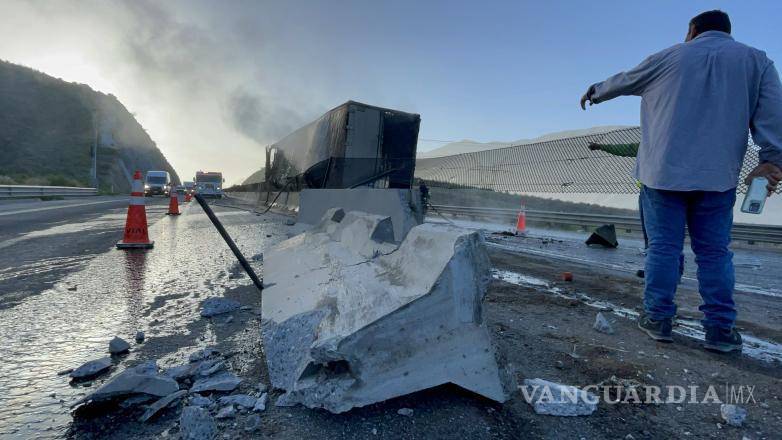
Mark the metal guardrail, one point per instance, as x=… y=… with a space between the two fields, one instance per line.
x=27 y=191
x=741 y=231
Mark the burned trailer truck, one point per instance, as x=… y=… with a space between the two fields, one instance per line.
x=353 y=145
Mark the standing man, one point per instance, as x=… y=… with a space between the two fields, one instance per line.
x=699 y=100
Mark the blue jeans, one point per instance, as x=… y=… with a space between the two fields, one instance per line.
x=708 y=216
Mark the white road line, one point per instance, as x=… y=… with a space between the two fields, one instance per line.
x=22 y=211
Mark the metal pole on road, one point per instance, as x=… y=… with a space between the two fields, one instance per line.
x=219 y=226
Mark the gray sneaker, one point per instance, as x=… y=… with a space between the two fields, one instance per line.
x=657 y=330
x=722 y=340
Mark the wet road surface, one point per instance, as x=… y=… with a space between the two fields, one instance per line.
x=93 y=292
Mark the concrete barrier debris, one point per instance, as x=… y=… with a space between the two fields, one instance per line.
x=350 y=318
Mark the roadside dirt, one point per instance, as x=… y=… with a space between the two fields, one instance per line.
x=541 y=334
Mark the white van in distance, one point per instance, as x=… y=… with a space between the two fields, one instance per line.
x=157 y=182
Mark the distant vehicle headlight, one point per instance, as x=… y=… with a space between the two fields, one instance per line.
x=146 y=186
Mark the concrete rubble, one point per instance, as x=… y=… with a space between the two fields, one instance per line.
x=143 y=379
x=196 y=423
x=118 y=345
x=217 y=306
x=162 y=403
x=351 y=318
x=223 y=381
x=555 y=399
x=732 y=414
x=602 y=324
x=91 y=368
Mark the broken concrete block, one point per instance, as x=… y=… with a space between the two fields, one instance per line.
x=558 y=400
x=196 y=424
x=602 y=324
x=217 y=305
x=199 y=400
x=407 y=412
x=226 y=413
x=242 y=400
x=732 y=414
x=139 y=336
x=91 y=368
x=162 y=403
x=118 y=345
x=260 y=404
x=206 y=353
x=223 y=381
x=344 y=328
x=137 y=380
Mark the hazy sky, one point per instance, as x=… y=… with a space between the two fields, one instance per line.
x=213 y=82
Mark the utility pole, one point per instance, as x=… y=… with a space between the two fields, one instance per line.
x=94 y=153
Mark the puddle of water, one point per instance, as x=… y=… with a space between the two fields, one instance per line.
x=119 y=292
x=756 y=348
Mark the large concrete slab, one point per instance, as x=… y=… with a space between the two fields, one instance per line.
x=350 y=320
x=402 y=205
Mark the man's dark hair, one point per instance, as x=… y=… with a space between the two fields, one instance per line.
x=715 y=20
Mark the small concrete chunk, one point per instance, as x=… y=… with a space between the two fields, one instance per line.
x=216 y=306
x=199 y=400
x=118 y=345
x=91 y=368
x=602 y=324
x=223 y=381
x=260 y=403
x=206 y=353
x=196 y=424
x=407 y=412
x=242 y=400
x=139 y=336
x=160 y=404
x=226 y=413
x=141 y=379
x=253 y=423
x=732 y=414
x=555 y=399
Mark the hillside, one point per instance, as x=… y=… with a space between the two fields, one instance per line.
x=468 y=146
x=47 y=132
x=258 y=176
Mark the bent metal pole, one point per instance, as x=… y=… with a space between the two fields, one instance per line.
x=219 y=226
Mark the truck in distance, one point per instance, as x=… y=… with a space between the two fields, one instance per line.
x=189 y=187
x=157 y=183
x=209 y=183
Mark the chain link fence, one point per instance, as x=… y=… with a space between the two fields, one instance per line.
x=558 y=166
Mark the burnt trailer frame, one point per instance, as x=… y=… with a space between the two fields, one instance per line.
x=353 y=144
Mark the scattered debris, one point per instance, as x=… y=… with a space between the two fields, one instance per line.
x=259 y=257
x=558 y=400
x=139 y=336
x=242 y=400
x=205 y=353
x=64 y=372
x=199 y=400
x=195 y=423
x=602 y=324
x=732 y=414
x=260 y=403
x=91 y=368
x=604 y=236
x=226 y=413
x=253 y=423
x=407 y=412
x=262 y=387
x=163 y=402
x=229 y=319
x=223 y=381
x=118 y=345
x=141 y=379
x=217 y=305
x=290 y=222
x=567 y=276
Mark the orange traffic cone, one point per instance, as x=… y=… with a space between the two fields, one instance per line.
x=173 y=204
x=136 y=235
x=521 y=221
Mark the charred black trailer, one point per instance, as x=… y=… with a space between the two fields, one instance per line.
x=353 y=145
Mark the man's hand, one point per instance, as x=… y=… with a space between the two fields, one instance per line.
x=768 y=170
x=587 y=97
